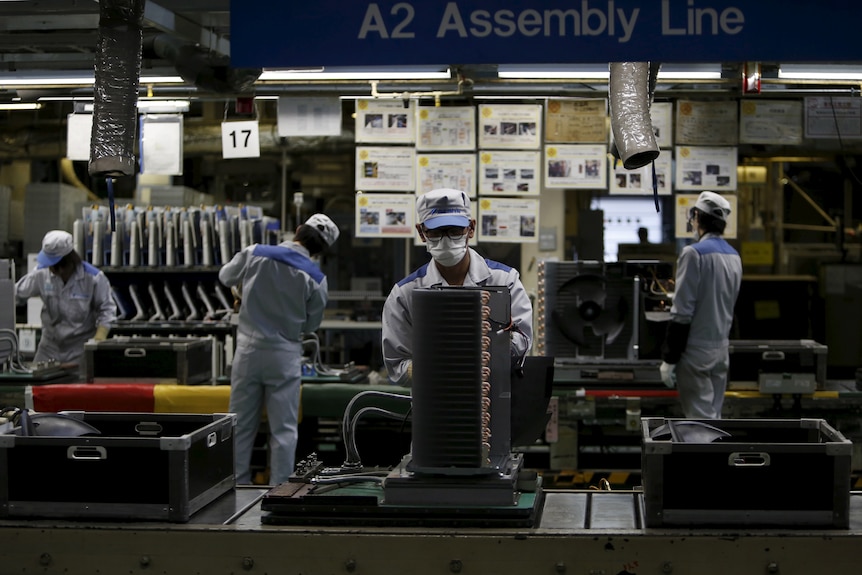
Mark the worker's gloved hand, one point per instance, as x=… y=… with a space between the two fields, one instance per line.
x=101 y=333
x=410 y=372
x=668 y=374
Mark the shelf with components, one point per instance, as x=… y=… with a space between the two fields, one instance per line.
x=170 y=297
x=174 y=301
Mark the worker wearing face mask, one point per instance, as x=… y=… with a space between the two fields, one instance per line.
x=708 y=275
x=445 y=226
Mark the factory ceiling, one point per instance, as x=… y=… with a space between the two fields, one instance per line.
x=45 y=45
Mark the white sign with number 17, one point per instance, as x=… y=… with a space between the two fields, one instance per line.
x=240 y=139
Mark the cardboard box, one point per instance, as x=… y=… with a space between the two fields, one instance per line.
x=753 y=472
x=139 y=466
x=183 y=360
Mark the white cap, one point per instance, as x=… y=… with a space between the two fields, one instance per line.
x=714 y=205
x=324 y=226
x=443 y=207
x=55 y=245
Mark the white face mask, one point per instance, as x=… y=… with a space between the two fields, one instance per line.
x=446 y=251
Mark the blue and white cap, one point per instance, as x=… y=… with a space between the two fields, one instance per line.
x=55 y=245
x=324 y=226
x=443 y=207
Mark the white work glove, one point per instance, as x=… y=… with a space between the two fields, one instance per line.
x=668 y=374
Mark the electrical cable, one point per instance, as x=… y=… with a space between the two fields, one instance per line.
x=352 y=450
x=346 y=421
x=16 y=364
x=316 y=360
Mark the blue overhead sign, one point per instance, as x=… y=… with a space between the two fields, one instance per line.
x=267 y=33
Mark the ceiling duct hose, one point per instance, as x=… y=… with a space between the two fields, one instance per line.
x=117 y=75
x=630 y=120
x=205 y=71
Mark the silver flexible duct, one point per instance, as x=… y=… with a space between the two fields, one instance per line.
x=629 y=94
x=117 y=77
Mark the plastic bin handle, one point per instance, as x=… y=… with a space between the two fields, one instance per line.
x=748 y=459
x=773 y=355
x=135 y=352
x=86 y=452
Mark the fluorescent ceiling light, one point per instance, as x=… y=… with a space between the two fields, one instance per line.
x=67 y=79
x=20 y=106
x=152 y=106
x=689 y=72
x=335 y=73
x=65 y=98
x=602 y=72
x=819 y=72
x=161 y=80
x=554 y=72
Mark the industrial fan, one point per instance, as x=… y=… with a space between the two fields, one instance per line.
x=585 y=302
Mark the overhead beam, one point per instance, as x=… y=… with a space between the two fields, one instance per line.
x=177 y=25
x=47 y=22
x=37 y=40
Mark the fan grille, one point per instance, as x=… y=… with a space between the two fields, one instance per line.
x=617 y=286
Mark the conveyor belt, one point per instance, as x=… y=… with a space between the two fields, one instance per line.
x=580 y=532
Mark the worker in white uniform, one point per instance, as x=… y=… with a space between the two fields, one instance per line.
x=708 y=276
x=445 y=225
x=77 y=304
x=283 y=293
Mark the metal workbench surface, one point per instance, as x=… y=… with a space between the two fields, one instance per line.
x=584 y=532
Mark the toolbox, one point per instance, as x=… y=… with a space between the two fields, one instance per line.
x=132 y=466
x=745 y=472
x=779 y=366
x=184 y=360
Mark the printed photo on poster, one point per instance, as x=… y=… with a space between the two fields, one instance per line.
x=388 y=168
x=508 y=220
x=576 y=166
x=640 y=181
x=684 y=203
x=456 y=171
x=385 y=215
x=384 y=122
x=510 y=126
x=509 y=173
x=447 y=128
x=706 y=168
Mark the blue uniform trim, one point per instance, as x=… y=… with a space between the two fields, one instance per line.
x=419 y=273
x=714 y=246
x=498 y=266
x=90 y=269
x=291 y=258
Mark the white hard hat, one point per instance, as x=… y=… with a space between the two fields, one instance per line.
x=713 y=204
x=324 y=226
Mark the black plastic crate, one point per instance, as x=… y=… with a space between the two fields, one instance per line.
x=187 y=360
x=140 y=466
x=754 y=472
x=752 y=358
